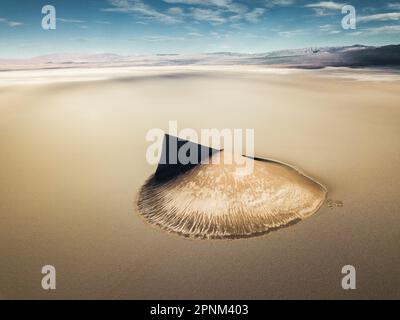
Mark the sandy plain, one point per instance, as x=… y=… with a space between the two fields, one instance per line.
x=72 y=155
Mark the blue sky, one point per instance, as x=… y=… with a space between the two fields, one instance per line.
x=191 y=26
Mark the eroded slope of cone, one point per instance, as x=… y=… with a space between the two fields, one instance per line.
x=214 y=201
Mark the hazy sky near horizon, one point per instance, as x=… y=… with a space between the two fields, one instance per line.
x=189 y=26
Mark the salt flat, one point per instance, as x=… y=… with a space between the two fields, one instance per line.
x=72 y=154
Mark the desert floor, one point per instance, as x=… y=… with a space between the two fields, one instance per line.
x=72 y=155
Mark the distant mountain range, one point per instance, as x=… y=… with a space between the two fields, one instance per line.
x=350 y=56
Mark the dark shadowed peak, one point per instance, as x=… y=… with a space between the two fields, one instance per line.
x=179 y=155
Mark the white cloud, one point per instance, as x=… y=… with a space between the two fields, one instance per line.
x=291 y=33
x=218 y=3
x=325 y=8
x=330 y=29
x=328 y=5
x=321 y=12
x=254 y=15
x=102 y=22
x=14 y=23
x=140 y=8
x=175 y=11
x=383 y=30
x=189 y=2
x=213 y=16
x=237 y=26
x=221 y=11
x=161 y=38
x=70 y=20
x=395 y=29
x=212 y=11
x=393 y=5
x=356 y=33
x=393 y=16
x=195 y=34
x=227 y=5
x=281 y=3
x=11 y=23
x=327 y=27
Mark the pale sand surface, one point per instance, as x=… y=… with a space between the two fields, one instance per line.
x=220 y=200
x=72 y=158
